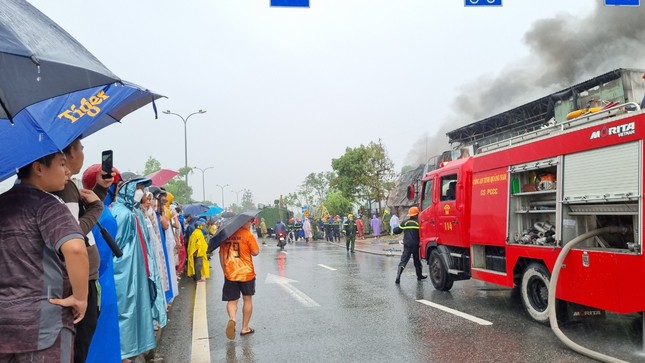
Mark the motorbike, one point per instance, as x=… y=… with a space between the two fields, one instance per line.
x=282 y=239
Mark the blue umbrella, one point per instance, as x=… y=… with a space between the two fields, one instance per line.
x=195 y=209
x=49 y=126
x=213 y=210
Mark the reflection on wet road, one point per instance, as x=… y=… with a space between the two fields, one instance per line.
x=317 y=303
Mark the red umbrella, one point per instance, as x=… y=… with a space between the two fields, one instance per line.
x=162 y=176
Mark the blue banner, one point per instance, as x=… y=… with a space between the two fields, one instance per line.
x=622 y=2
x=294 y=3
x=483 y=2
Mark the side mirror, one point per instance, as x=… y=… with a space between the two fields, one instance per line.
x=410 y=192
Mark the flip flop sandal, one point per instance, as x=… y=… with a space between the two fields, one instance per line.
x=251 y=331
x=230 y=329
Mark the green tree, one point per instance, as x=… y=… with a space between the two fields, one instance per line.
x=178 y=187
x=315 y=187
x=291 y=200
x=381 y=173
x=351 y=172
x=364 y=173
x=247 y=200
x=234 y=208
x=180 y=190
x=151 y=166
x=337 y=203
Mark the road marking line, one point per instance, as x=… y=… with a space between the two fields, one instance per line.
x=456 y=312
x=285 y=283
x=200 y=350
x=327 y=267
x=300 y=296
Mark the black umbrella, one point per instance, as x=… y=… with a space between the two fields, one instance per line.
x=40 y=60
x=230 y=226
x=52 y=89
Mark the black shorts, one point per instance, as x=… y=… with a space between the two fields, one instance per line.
x=232 y=289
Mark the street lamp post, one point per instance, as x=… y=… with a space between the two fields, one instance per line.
x=222 y=187
x=203 y=183
x=237 y=194
x=185 y=120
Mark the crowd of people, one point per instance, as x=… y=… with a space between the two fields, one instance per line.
x=91 y=266
x=331 y=228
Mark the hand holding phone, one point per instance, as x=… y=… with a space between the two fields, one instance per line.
x=106 y=163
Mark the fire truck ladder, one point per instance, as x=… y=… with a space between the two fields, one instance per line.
x=559 y=128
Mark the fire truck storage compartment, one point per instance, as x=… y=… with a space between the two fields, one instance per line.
x=489 y=257
x=533 y=202
x=601 y=187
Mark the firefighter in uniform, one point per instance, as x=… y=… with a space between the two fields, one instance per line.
x=335 y=228
x=350 y=233
x=410 y=229
x=328 y=223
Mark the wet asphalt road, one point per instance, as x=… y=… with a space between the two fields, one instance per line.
x=350 y=310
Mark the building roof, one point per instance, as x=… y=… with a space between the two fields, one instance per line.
x=398 y=195
x=528 y=117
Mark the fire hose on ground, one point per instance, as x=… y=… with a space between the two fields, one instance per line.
x=553 y=283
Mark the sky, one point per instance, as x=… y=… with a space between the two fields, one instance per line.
x=287 y=90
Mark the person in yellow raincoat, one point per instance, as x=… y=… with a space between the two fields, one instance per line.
x=212 y=229
x=198 y=265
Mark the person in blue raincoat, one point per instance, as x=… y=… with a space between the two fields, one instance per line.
x=157 y=296
x=105 y=345
x=131 y=273
x=160 y=198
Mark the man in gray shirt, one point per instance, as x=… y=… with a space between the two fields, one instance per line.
x=43 y=267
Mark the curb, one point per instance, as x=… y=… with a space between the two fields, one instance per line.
x=382 y=253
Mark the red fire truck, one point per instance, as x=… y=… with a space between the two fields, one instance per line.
x=528 y=182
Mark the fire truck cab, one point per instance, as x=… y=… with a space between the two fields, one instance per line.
x=504 y=213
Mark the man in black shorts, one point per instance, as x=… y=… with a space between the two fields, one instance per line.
x=236 y=257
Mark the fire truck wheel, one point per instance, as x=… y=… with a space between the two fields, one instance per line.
x=535 y=292
x=441 y=279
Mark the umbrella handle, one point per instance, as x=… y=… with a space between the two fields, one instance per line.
x=110 y=241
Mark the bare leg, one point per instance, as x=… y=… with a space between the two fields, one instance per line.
x=231 y=309
x=247 y=310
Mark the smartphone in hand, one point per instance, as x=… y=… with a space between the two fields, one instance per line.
x=106 y=163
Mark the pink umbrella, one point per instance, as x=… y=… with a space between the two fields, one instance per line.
x=162 y=176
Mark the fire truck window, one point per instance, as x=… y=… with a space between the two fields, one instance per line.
x=427 y=195
x=448 y=187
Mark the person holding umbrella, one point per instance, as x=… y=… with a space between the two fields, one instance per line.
x=44 y=276
x=236 y=253
x=198 y=265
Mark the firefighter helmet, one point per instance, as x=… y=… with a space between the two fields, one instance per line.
x=413 y=211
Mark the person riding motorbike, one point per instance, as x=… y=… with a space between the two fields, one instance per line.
x=280 y=227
